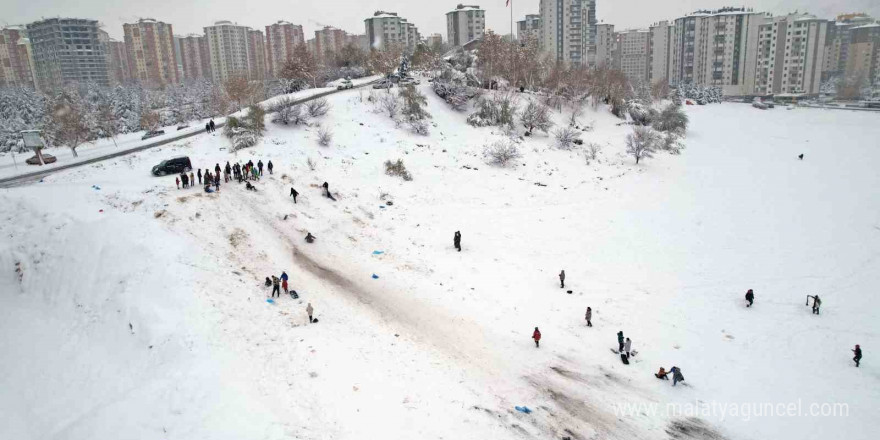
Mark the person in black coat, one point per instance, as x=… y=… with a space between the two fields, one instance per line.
x=260 y=167
x=212 y=125
x=207 y=128
x=750 y=297
x=185 y=179
x=293 y=194
x=200 y=176
x=456 y=240
x=327 y=191
x=858 y=354
x=269 y=166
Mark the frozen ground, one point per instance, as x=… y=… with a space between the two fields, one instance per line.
x=140 y=308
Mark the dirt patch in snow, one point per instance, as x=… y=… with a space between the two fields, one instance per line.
x=238 y=237
x=692 y=428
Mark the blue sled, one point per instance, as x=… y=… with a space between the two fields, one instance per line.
x=270 y=301
x=523 y=409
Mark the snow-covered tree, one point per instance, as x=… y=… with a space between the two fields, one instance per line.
x=20 y=109
x=567 y=138
x=414 y=103
x=642 y=143
x=69 y=126
x=536 y=115
x=498 y=109
x=501 y=153
x=672 y=119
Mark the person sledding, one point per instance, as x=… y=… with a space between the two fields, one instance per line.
x=662 y=374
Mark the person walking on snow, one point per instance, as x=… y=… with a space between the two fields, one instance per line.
x=562 y=279
x=676 y=375
x=200 y=176
x=212 y=125
x=627 y=347
x=293 y=194
x=750 y=297
x=269 y=166
x=275 y=287
x=208 y=128
x=858 y=354
x=217 y=169
x=456 y=240
x=620 y=341
x=177 y=181
x=816 y=303
x=589 y=317
x=537 y=337
x=192 y=179
x=260 y=167
x=310 y=310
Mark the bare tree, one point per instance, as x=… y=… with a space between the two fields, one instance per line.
x=642 y=143
x=239 y=90
x=591 y=153
x=660 y=89
x=108 y=122
x=69 y=125
x=383 y=62
x=218 y=101
x=389 y=103
x=536 y=115
x=149 y=120
x=318 y=107
x=567 y=138
x=325 y=136
x=302 y=65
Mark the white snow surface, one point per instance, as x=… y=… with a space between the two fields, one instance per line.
x=140 y=312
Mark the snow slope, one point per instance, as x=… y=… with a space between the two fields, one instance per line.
x=438 y=346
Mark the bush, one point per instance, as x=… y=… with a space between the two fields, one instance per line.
x=419 y=126
x=246 y=131
x=389 y=104
x=642 y=143
x=497 y=110
x=317 y=107
x=672 y=119
x=641 y=114
x=397 y=169
x=456 y=95
x=413 y=103
x=536 y=115
x=255 y=119
x=501 y=152
x=591 y=152
x=325 y=136
x=567 y=138
x=670 y=142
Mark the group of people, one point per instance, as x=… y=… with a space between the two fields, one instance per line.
x=210 y=127
x=248 y=171
x=279 y=284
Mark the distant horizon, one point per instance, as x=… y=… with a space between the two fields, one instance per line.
x=429 y=17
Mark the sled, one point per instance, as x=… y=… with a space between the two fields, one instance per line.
x=624 y=359
x=523 y=409
x=270 y=301
x=375 y=277
x=293 y=294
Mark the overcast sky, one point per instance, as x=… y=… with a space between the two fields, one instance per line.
x=190 y=16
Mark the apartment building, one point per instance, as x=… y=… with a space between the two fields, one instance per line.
x=717 y=48
x=150 y=47
x=568 y=30
x=194 y=55
x=434 y=40
x=256 y=55
x=606 y=45
x=16 y=58
x=229 y=47
x=387 y=28
x=530 y=27
x=465 y=23
x=660 y=52
x=837 y=42
x=633 y=47
x=329 y=39
x=67 y=50
x=863 y=58
x=281 y=38
x=790 y=52
x=118 y=62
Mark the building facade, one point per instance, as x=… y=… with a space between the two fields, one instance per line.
x=194 y=57
x=606 y=45
x=790 y=55
x=16 y=58
x=837 y=42
x=67 y=50
x=387 y=28
x=120 y=70
x=465 y=23
x=529 y=28
x=150 y=47
x=434 y=40
x=660 y=52
x=863 y=58
x=633 y=47
x=329 y=39
x=568 y=31
x=256 y=55
x=281 y=38
x=228 y=50
x=717 y=48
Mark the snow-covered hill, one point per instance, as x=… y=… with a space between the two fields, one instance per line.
x=140 y=309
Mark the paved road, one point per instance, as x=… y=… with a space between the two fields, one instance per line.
x=23 y=179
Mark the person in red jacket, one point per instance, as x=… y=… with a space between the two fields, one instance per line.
x=537 y=336
x=284 y=285
x=177 y=181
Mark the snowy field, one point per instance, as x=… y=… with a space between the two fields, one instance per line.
x=138 y=308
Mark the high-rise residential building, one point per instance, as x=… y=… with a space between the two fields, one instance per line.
x=530 y=27
x=329 y=39
x=863 y=57
x=194 y=55
x=256 y=55
x=67 y=50
x=177 y=58
x=16 y=58
x=150 y=46
x=361 y=41
x=281 y=38
x=117 y=55
x=790 y=54
x=837 y=42
x=465 y=23
x=660 y=52
x=387 y=28
x=606 y=45
x=632 y=54
x=568 y=30
x=434 y=40
x=716 y=48
x=229 y=50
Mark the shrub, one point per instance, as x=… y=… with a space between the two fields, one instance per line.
x=255 y=119
x=672 y=119
x=642 y=143
x=389 y=104
x=456 y=95
x=317 y=107
x=501 y=152
x=591 y=152
x=536 y=115
x=283 y=110
x=567 y=138
x=670 y=142
x=325 y=136
x=397 y=169
x=413 y=103
x=419 y=126
x=497 y=110
x=311 y=164
x=642 y=114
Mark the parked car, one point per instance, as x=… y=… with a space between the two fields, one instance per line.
x=409 y=81
x=152 y=134
x=384 y=84
x=47 y=158
x=759 y=105
x=346 y=84
x=172 y=166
